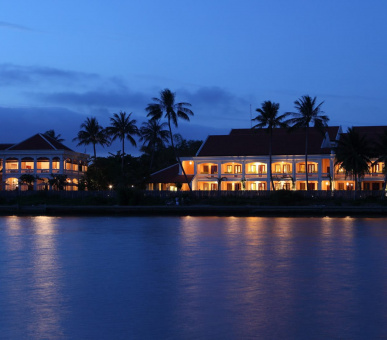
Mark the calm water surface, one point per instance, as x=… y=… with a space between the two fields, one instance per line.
x=192 y=278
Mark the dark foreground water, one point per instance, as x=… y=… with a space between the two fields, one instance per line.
x=193 y=278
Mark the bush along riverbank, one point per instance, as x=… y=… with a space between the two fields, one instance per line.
x=242 y=202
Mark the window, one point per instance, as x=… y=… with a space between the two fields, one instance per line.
x=205 y=169
x=341 y=186
x=238 y=169
x=237 y=186
x=205 y=186
x=261 y=186
x=377 y=168
x=312 y=186
x=286 y=186
x=302 y=186
x=214 y=169
x=262 y=169
x=229 y=169
x=253 y=186
x=277 y=168
x=214 y=186
x=286 y=168
x=366 y=186
x=301 y=168
x=253 y=169
x=229 y=186
x=311 y=168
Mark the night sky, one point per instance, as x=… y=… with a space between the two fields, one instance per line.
x=61 y=62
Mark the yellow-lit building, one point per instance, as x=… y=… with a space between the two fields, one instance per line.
x=240 y=161
x=42 y=157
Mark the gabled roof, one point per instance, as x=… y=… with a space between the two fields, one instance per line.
x=39 y=142
x=249 y=142
x=169 y=175
x=372 y=132
x=5 y=146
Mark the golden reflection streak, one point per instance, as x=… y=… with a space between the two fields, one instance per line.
x=46 y=296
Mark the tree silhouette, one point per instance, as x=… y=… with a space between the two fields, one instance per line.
x=92 y=133
x=268 y=118
x=308 y=113
x=122 y=127
x=154 y=136
x=353 y=154
x=51 y=134
x=166 y=106
x=381 y=153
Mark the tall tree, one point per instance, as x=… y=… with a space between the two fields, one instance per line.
x=92 y=133
x=268 y=118
x=51 y=134
x=308 y=113
x=154 y=136
x=381 y=154
x=353 y=154
x=122 y=127
x=166 y=106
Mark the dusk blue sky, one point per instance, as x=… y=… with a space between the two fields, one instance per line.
x=61 y=62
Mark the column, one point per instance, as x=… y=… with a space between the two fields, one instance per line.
x=35 y=168
x=294 y=174
x=319 y=164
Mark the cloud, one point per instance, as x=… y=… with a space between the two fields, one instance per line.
x=9 y=25
x=123 y=98
x=18 y=75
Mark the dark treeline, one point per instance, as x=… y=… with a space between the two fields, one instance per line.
x=106 y=173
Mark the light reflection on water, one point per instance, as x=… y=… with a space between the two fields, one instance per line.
x=192 y=277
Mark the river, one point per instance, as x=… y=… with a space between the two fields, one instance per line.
x=193 y=278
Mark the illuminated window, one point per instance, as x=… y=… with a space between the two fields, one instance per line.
x=311 y=168
x=229 y=169
x=205 y=169
x=286 y=168
x=253 y=186
x=262 y=169
x=238 y=169
x=301 y=168
x=214 y=169
x=214 y=186
x=253 y=170
x=277 y=168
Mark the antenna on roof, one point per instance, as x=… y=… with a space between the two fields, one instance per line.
x=251 y=121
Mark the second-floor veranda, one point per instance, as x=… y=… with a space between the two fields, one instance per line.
x=39 y=165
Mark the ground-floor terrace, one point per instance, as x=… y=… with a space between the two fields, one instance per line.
x=43 y=169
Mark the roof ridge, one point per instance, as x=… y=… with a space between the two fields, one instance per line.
x=164 y=169
x=44 y=137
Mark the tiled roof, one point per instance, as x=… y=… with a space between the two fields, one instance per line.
x=248 y=142
x=5 y=146
x=169 y=175
x=372 y=132
x=39 y=142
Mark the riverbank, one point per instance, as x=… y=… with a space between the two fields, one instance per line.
x=193 y=210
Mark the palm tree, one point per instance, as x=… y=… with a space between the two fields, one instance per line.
x=51 y=134
x=92 y=133
x=353 y=153
x=308 y=112
x=268 y=118
x=121 y=127
x=154 y=136
x=381 y=153
x=165 y=105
